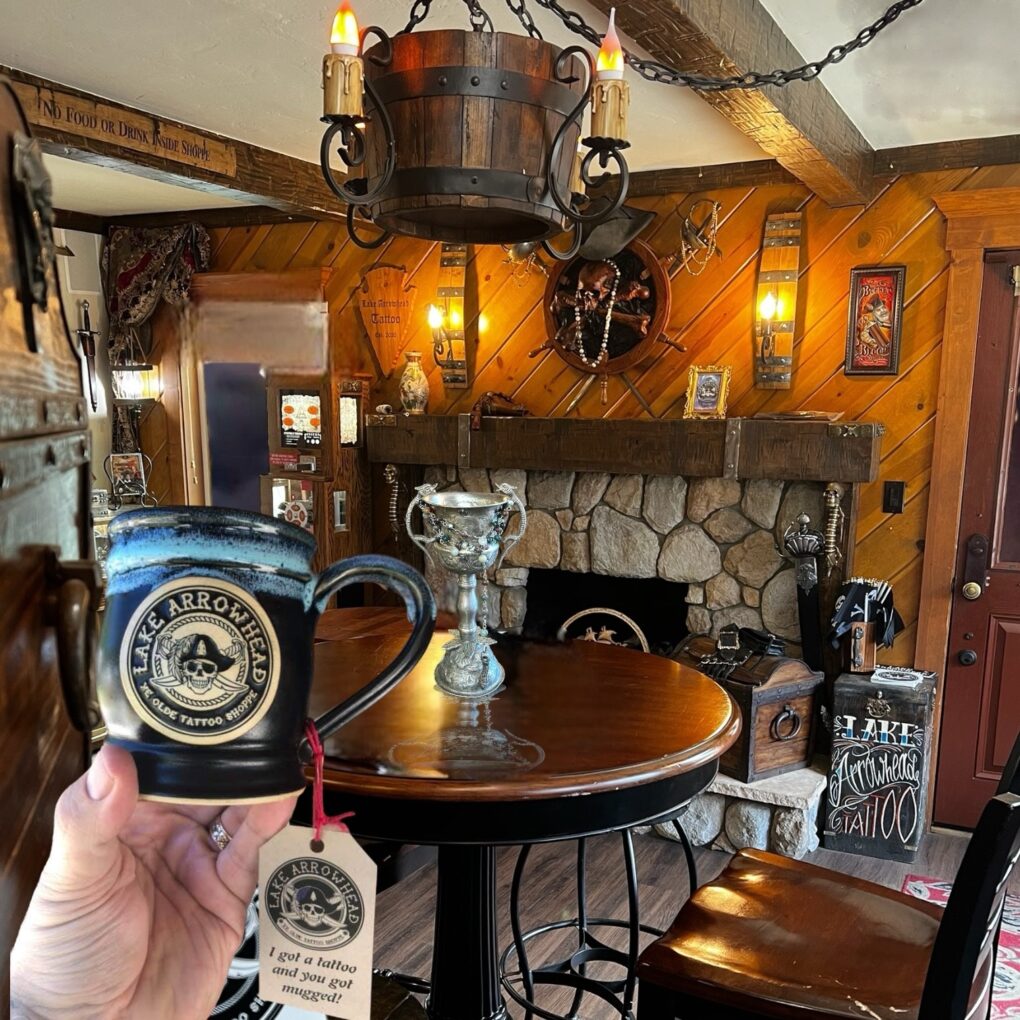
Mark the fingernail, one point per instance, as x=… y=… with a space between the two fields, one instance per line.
x=98 y=782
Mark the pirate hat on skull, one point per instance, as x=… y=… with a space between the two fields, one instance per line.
x=202 y=647
x=608 y=238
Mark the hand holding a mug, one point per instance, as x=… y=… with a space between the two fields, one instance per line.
x=136 y=912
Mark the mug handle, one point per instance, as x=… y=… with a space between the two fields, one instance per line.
x=421 y=611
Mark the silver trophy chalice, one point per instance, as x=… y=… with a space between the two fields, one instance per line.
x=464 y=534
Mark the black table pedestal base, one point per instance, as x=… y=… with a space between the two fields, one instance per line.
x=465 y=969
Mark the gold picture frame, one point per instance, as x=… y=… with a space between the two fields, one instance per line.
x=708 y=389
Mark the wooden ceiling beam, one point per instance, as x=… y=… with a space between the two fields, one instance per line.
x=801 y=126
x=89 y=129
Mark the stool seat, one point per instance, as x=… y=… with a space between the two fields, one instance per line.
x=778 y=937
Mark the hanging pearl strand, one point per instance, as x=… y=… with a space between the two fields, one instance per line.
x=604 y=349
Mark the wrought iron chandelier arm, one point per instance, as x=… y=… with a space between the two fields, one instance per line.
x=605 y=150
x=664 y=74
x=360 y=241
x=352 y=149
x=566 y=254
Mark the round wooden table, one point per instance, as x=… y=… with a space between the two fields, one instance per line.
x=585 y=738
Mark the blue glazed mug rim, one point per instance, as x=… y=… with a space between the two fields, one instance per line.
x=210 y=518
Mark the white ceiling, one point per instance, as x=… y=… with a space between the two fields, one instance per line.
x=100 y=191
x=250 y=69
x=946 y=69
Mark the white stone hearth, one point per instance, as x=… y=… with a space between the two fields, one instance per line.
x=722 y=538
x=778 y=814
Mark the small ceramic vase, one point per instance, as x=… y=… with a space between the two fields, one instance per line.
x=414 y=385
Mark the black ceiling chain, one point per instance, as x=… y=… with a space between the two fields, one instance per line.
x=663 y=73
x=419 y=12
x=480 y=21
x=520 y=8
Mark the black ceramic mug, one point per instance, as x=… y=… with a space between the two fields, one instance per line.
x=205 y=661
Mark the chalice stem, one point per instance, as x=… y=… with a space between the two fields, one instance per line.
x=467 y=610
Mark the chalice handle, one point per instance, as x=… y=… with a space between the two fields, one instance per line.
x=421 y=541
x=510 y=541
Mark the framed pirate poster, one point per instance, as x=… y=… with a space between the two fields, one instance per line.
x=875 y=320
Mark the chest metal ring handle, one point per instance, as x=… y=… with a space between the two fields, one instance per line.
x=788 y=715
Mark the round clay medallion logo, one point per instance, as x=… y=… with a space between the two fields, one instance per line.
x=314 y=904
x=200 y=661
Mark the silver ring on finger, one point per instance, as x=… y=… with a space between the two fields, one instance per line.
x=219 y=835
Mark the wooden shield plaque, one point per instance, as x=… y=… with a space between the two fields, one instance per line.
x=386 y=303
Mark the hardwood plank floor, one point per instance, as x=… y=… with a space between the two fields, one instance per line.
x=405 y=912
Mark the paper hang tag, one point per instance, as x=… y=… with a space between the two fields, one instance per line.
x=317 y=923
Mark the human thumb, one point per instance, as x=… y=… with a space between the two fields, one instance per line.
x=89 y=818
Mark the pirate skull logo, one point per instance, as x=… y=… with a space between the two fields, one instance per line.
x=196 y=662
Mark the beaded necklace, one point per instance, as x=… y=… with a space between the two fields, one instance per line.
x=604 y=349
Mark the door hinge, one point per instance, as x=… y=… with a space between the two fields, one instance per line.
x=1014 y=278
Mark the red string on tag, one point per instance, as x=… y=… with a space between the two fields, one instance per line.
x=320 y=820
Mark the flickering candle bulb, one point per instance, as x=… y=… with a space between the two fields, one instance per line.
x=344 y=37
x=769 y=307
x=343 y=72
x=610 y=93
x=435 y=317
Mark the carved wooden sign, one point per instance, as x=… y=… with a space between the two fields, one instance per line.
x=386 y=303
x=66 y=111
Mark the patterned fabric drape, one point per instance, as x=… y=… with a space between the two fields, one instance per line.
x=141 y=267
x=145 y=265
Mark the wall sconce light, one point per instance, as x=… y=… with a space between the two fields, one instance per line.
x=136 y=383
x=776 y=302
x=133 y=379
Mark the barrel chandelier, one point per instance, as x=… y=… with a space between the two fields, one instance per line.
x=476 y=136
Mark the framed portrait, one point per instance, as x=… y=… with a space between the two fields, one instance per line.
x=708 y=388
x=874 y=320
x=127 y=470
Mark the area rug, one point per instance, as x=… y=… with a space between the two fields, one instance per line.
x=1006 y=994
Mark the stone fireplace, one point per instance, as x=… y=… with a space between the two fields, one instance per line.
x=719 y=539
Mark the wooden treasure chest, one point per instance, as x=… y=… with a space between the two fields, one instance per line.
x=778 y=699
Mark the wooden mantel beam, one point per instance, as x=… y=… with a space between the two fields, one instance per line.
x=800 y=125
x=89 y=129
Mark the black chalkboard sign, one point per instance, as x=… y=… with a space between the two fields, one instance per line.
x=878 y=779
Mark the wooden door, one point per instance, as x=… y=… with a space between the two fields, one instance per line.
x=981 y=701
x=45 y=584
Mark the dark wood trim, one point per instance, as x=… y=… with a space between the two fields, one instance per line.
x=68 y=219
x=234 y=216
x=912 y=159
x=790 y=450
x=259 y=175
x=699 y=178
x=802 y=127
x=975 y=220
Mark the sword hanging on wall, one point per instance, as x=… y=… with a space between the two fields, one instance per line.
x=87 y=339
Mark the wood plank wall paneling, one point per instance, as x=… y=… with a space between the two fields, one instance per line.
x=712 y=315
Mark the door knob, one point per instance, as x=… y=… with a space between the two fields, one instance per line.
x=975 y=567
x=967 y=657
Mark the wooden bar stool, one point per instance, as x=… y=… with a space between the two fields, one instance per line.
x=774 y=937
